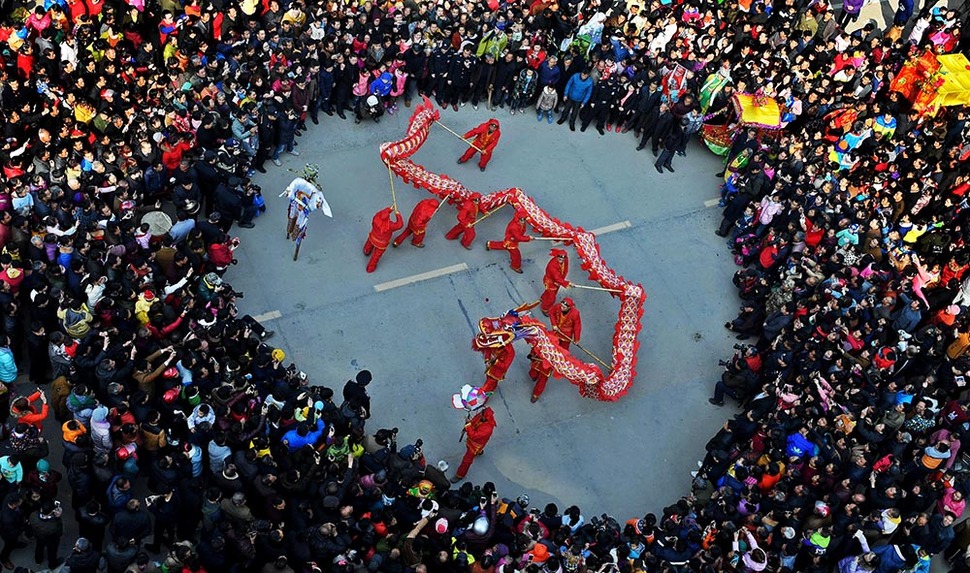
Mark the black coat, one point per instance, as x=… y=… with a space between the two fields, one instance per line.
x=664 y=125
x=505 y=74
x=129 y=524
x=462 y=69
x=605 y=93
x=11 y=522
x=83 y=561
x=416 y=62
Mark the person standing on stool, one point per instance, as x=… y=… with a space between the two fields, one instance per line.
x=486 y=138
x=382 y=229
x=514 y=234
x=478 y=431
x=467 y=215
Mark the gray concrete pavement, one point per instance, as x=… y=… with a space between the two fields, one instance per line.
x=624 y=458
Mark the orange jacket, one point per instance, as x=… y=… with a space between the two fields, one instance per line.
x=30 y=415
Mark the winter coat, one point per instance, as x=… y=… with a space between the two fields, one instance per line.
x=45 y=527
x=549 y=75
x=325 y=81
x=101 y=431
x=548 y=99
x=578 y=89
x=461 y=70
x=8 y=366
x=525 y=85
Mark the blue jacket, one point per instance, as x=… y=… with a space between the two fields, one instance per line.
x=294 y=441
x=382 y=85
x=8 y=367
x=578 y=89
x=549 y=75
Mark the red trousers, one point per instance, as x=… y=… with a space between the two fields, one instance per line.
x=491 y=384
x=540 y=379
x=467 y=235
x=514 y=254
x=548 y=299
x=466 y=462
x=416 y=240
x=375 y=254
x=471 y=151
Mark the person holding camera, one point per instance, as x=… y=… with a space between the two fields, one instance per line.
x=741 y=377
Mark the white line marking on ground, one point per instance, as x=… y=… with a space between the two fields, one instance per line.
x=610 y=228
x=420 y=277
x=712 y=202
x=271 y=315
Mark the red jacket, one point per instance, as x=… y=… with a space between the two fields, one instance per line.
x=220 y=254
x=421 y=215
x=515 y=232
x=483 y=139
x=382 y=227
x=498 y=360
x=468 y=213
x=478 y=430
x=570 y=324
x=556 y=274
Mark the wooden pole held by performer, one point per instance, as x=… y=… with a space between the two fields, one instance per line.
x=489 y=214
x=390 y=175
x=458 y=135
x=574 y=285
x=581 y=347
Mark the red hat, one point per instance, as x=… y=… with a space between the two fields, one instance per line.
x=557 y=252
x=569 y=301
x=149 y=295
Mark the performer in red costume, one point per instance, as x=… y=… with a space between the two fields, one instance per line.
x=467 y=215
x=539 y=371
x=498 y=358
x=382 y=229
x=486 y=138
x=555 y=277
x=418 y=223
x=514 y=234
x=478 y=431
x=566 y=322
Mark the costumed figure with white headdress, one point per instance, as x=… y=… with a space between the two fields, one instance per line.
x=478 y=428
x=305 y=197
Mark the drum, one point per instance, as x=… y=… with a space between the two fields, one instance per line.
x=158 y=225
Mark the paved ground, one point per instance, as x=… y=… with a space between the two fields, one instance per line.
x=621 y=458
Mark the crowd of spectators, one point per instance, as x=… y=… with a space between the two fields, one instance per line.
x=850 y=224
